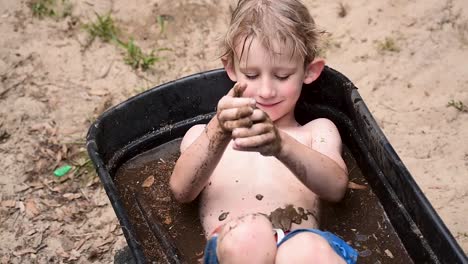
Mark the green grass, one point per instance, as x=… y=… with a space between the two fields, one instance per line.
x=388 y=45
x=51 y=8
x=457 y=105
x=103 y=28
x=136 y=58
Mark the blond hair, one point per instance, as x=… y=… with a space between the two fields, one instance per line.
x=268 y=21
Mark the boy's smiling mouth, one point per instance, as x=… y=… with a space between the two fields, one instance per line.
x=267 y=104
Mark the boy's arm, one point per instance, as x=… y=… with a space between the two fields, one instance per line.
x=320 y=166
x=201 y=149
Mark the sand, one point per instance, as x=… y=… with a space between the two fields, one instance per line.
x=407 y=58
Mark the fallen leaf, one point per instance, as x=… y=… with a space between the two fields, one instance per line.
x=5 y=259
x=31 y=208
x=148 y=182
x=50 y=203
x=9 y=203
x=168 y=220
x=80 y=243
x=74 y=255
x=71 y=196
x=20 y=206
x=22 y=188
x=98 y=92
x=355 y=186
x=105 y=242
x=388 y=253
x=24 y=252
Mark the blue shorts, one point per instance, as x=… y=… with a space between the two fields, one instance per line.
x=341 y=248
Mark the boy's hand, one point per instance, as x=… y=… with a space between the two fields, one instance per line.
x=235 y=111
x=261 y=137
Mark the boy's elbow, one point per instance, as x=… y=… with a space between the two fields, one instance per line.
x=179 y=194
x=339 y=192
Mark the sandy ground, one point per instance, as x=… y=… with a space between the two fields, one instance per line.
x=407 y=58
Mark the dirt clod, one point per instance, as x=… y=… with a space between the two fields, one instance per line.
x=223 y=216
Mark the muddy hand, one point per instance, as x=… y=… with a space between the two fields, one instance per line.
x=262 y=136
x=234 y=111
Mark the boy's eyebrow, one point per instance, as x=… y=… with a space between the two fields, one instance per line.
x=247 y=69
x=280 y=68
x=283 y=68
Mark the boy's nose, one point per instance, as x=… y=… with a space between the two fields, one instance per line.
x=267 y=89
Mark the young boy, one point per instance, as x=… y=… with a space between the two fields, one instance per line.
x=260 y=174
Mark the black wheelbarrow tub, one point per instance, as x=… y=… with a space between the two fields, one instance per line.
x=166 y=112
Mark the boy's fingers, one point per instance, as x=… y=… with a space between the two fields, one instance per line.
x=255 y=130
x=237 y=90
x=228 y=102
x=255 y=141
x=235 y=113
x=232 y=91
x=243 y=122
x=258 y=116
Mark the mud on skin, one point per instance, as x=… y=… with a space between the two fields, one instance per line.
x=283 y=218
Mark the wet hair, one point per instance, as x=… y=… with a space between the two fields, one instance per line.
x=269 y=21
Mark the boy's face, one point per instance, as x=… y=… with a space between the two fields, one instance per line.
x=275 y=82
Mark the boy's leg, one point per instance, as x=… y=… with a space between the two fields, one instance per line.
x=248 y=239
x=307 y=247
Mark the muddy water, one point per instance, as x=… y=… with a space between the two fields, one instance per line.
x=359 y=219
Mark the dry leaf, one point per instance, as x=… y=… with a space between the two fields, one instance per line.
x=5 y=259
x=148 y=182
x=74 y=255
x=37 y=127
x=24 y=252
x=22 y=188
x=20 y=205
x=388 y=253
x=50 y=203
x=80 y=243
x=98 y=92
x=168 y=220
x=105 y=242
x=355 y=186
x=31 y=208
x=72 y=196
x=9 y=203
x=62 y=253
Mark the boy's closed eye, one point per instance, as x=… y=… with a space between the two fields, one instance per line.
x=251 y=76
x=282 y=78
x=279 y=77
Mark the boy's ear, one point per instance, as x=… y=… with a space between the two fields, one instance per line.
x=313 y=70
x=229 y=67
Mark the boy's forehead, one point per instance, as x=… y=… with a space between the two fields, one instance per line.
x=278 y=50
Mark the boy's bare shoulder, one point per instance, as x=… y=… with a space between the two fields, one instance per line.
x=189 y=137
x=325 y=138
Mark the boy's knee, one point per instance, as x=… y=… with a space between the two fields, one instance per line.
x=247 y=238
x=307 y=248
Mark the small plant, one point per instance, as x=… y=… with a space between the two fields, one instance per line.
x=162 y=22
x=104 y=28
x=136 y=58
x=43 y=8
x=51 y=8
x=388 y=44
x=457 y=105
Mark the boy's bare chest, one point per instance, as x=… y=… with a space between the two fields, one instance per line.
x=245 y=183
